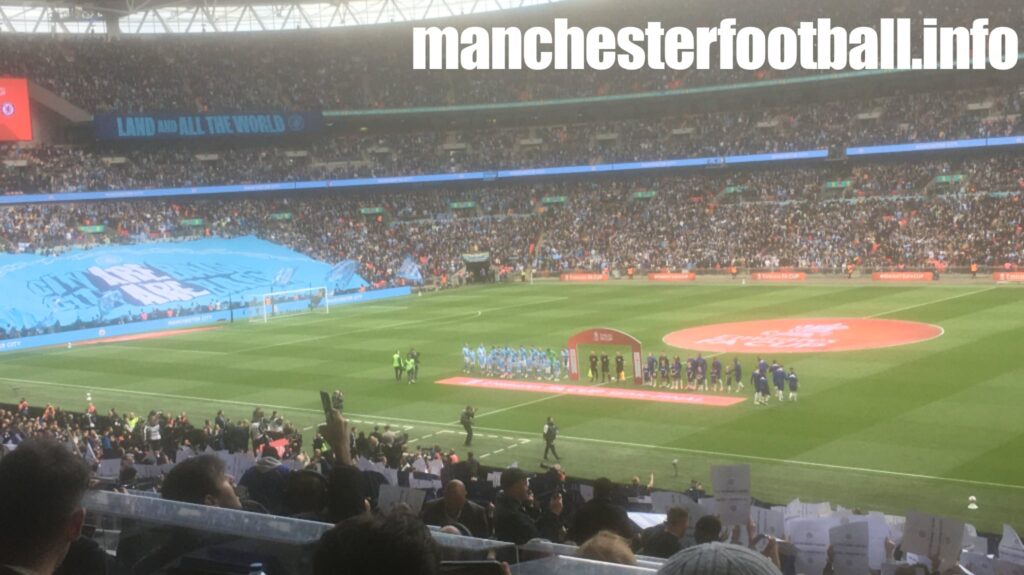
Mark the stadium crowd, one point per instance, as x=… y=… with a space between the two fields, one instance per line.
x=919 y=117
x=328 y=70
x=881 y=217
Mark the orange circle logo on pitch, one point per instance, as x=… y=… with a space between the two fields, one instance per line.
x=802 y=335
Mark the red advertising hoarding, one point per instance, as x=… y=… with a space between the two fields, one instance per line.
x=583 y=277
x=1008 y=276
x=15 y=119
x=671 y=277
x=778 y=276
x=903 y=276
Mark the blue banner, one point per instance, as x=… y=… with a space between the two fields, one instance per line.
x=191 y=126
x=935 y=146
x=410 y=270
x=117 y=284
x=183 y=322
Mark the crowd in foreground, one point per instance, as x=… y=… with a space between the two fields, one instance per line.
x=912 y=117
x=46 y=474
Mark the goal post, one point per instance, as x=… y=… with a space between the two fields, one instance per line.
x=291 y=303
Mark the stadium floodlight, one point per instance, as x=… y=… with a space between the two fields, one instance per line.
x=291 y=303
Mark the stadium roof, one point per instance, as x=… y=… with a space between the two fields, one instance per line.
x=190 y=16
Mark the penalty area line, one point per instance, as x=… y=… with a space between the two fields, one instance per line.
x=668 y=448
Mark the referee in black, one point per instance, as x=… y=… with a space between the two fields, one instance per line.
x=466 y=419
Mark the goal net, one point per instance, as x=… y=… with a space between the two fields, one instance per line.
x=291 y=303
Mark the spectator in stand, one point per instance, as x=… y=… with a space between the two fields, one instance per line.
x=374 y=544
x=512 y=523
x=600 y=514
x=202 y=480
x=305 y=494
x=666 y=540
x=41 y=514
x=708 y=529
x=456 y=509
x=265 y=481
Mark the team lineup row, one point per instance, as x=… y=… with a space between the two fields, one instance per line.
x=545 y=363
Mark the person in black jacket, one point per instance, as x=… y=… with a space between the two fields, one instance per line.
x=455 y=509
x=600 y=514
x=466 y=419
x=666 y=540
x=511 y=521
x=550 y=435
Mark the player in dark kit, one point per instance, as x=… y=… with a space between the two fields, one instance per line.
x=737 y=372
x=716 y=374
x=793 y=384
x=620 y=367
x=652 y=364
x=663 y=368
x=779 y=379
x=756 y=385
x=761 y=387
x=677 y=373
x=593 y=367
x=605 y=367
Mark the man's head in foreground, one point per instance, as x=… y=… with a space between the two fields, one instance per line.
x=370 y=544
x=201 y=480
x=41 y=488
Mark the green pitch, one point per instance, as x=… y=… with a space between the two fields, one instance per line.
x=919 y=427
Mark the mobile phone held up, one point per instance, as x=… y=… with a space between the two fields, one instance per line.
x=325 y=401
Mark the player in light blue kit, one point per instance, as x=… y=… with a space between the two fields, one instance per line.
x=467 y=359
x=481 y=358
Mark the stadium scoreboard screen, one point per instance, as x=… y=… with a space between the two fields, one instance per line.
x=15 y=116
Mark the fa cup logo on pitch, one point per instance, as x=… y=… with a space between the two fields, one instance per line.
x=7 y=109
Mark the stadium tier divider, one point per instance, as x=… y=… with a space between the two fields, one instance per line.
x=232 y=539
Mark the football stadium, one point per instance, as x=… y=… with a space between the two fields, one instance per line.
x=278 y=299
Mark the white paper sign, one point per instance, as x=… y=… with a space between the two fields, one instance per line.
x=929 y=535
x=391 y=495
x=769 y=521
x=1010 y=547
x=811 y=538
x=850 y=548
x=731 y=484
